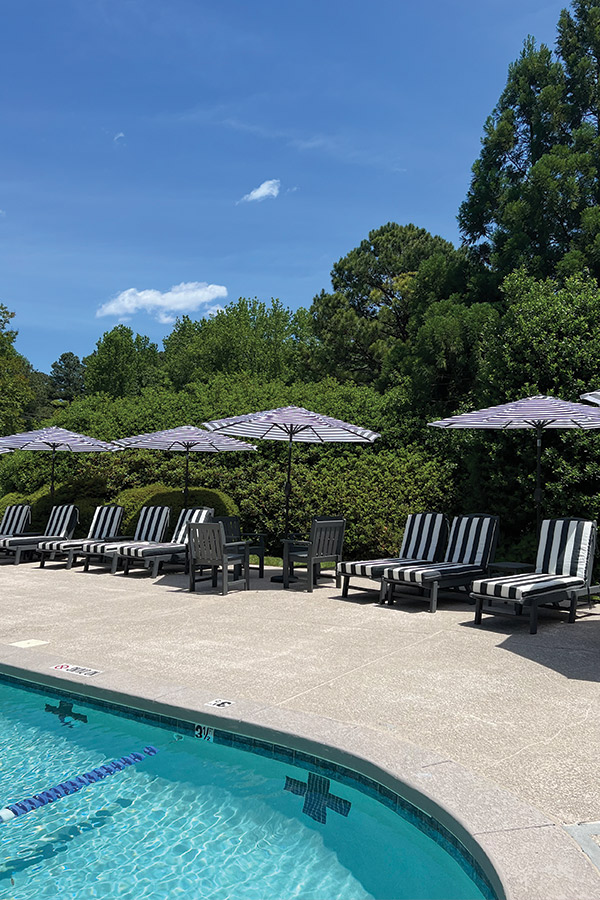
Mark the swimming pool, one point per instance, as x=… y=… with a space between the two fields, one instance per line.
x=203 y=817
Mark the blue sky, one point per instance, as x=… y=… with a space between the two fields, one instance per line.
x=228 y=149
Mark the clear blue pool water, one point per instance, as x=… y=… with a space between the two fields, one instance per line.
x=198 y=820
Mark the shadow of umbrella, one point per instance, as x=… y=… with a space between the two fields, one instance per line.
x=55 y=440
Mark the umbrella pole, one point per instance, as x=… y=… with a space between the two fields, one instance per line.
x=538 y=481
x=52 y=476
x=187 y=473
x=288 y=489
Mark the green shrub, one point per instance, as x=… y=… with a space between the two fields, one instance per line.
x=133 y=499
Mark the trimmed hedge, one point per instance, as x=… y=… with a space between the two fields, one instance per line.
x=133 y=499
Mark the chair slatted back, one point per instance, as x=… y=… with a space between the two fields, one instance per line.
x=105 y=523
x=327 y=536
x=194 y=514
x=62 y=521
x=424 y=537
x=566 y=547
x=205 y=542
x=152 y=523
x=15 y=519
x=472 y=540
x=232 y=526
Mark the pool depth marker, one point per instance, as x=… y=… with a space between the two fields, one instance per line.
x=73 y=785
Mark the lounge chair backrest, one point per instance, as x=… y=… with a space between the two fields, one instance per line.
x=472 y=540
x=195 y=514
x=206 y=540
x=62 y=521
x=152 y=523
x=232 y=526
x=566 y=547
x=106 y=522
x=15 y=519
x=327 y=536
x=425 y=537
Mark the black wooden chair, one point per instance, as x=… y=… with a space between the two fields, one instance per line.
x=208 y=548
x=324 y=544
x=234 y=534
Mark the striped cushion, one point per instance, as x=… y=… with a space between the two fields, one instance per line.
x=422 y=572
x=196 y=514
x=472 y=539
x=62 y=521
x=28 y=540
x=15 y=519
x=152 y=523
x=566 y=547
x=147 y=550
x=522 y=587
x=423 y=535
x=52 y=546
x=373 y=568
x=105 y=523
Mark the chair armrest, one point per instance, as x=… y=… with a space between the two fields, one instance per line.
x=235 y=544
x=297 y=543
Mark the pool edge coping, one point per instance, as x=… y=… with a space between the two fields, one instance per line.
x=499 y=846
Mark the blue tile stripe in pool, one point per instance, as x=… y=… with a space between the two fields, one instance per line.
x=402 y=807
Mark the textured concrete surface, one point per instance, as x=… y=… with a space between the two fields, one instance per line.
x=511 y=711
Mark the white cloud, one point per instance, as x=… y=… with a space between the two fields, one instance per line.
x=119 y=137
x=165 y=306
x=266 y=189
x=2 y=213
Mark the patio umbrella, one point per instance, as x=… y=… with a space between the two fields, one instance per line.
x=538 y=413
x=186 y=439
x=53 y=440
x=292 y=423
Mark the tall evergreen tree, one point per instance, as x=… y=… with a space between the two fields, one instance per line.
x=534 y=198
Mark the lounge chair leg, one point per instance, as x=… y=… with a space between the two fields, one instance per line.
x=572 y=608
x=215 y=572
x=382 y=590
x=434 y=597
x=478 y=610
x=533 y=618
x=311 y=574
x=346 y=585
x=225 y=579
x=114 y=564
x=86 y=564
x=192 y=580
x=261 y=566
x=17 y=556
x=42 y=560
x=71 y=559
x=155 y=567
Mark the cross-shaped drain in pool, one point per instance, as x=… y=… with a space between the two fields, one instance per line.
x=317 y=798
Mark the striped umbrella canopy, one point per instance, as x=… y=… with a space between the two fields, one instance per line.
x=185 y=439
x=53 y=440
x=538 y=413
x=292 y=423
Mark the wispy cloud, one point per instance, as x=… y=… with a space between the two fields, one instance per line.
x=119 y=137
x=165 y=306
x=266 y=189
x=2 y=213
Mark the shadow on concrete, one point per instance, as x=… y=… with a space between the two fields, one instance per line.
x=573 y=650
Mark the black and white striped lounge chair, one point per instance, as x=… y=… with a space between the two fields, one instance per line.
x=151 y=526
x=563 y=574
x=471 y=548
x=60 y=527
x=424 y=540
x=155 y=554
x=106 y=524
x=15 y=520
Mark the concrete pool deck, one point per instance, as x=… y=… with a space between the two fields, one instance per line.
x=499 y=727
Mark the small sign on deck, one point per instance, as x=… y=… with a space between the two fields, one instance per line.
x=221 y=704
x=77 y=670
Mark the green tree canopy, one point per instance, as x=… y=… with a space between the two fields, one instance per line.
x=67 y=377
x=16 y=390
x=122 y=364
